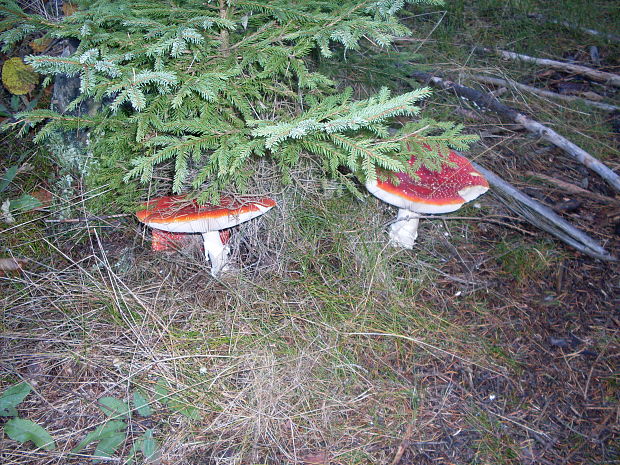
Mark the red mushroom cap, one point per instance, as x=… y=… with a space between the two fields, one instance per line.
x=435 y=191
x=178 y=215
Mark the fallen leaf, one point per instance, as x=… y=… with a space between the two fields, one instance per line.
x=40 y=45
x=18 y=77
x=69 y=8
x=44 y=196
x=11 y=264
x=318 y=458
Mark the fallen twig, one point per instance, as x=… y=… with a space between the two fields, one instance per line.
x=487 y=101
x=402 y=447
x=592 y=32
x=91 y=218
x=572 y=189
x=543 y=93
x=543 y=217
x=609 y=78
x=477 y=218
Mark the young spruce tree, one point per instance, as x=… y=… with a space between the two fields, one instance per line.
x=212 y=85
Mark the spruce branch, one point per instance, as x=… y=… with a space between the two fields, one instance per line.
x=204 y=88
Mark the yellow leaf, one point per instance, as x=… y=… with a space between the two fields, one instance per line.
x=40 y=45
x=18 y=77
x=69 y=8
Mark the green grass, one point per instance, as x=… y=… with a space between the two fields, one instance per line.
x=494 y=445
x=525 y=261
x=505 y=25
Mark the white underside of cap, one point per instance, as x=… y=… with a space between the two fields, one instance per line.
x=467 y=193
x=472 y=192
x=202 y=225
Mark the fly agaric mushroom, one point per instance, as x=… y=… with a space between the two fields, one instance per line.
x=175 y=214
x=434 y=192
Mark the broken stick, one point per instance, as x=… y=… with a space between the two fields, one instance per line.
x=573 y=189
x=543 y=217
x=542 y=92
x=548 y=134
x=595 y=75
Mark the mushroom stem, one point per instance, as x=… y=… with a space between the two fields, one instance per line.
x=404 y=230
x=216 y=252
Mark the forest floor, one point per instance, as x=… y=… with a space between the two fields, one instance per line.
x=489 y=343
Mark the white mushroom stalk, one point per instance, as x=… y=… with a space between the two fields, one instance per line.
x=404 y=229
x=216 y=252
x=431 y=192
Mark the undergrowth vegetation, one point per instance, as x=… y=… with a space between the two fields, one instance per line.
x=489 y=343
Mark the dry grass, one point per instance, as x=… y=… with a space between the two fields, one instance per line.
x=281 y=361
x=341 y=346
x=488 y=344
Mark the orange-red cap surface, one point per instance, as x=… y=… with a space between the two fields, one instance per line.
x=177 y=214
x=433 y=192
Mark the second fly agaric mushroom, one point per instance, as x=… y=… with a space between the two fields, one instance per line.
x=175 y=214
x=434 y=192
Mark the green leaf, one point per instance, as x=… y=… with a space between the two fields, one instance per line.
x=149 y=447
x=9 y=411
x=141 y=404
x=161 y=390
x=12 y=397
x=102 y=432
x=26 y=430
x=174 y=401
x=109 y=445
x=24 y=203
x=114 y=407
x=10 y=174
x=184 y=408
x=132 y=453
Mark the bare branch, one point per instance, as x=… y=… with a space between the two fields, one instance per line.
x=602 y=76
x=548 y=134
x=542 y=92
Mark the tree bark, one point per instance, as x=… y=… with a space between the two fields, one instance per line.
x=224 y=34
x=69 y=148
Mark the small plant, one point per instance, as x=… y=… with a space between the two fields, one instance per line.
x=165 y=394
x=8 y=207
x=17 y=104
x=110 y=436
x=19 y=429
x=524 y=261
